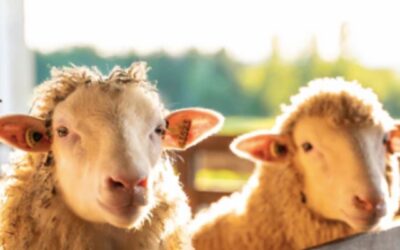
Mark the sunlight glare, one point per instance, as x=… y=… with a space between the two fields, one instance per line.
x=244 y=28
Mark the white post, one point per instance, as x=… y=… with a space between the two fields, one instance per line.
x=16 y=62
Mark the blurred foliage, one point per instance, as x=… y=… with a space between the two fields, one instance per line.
x=241 y=124
x=219 y=82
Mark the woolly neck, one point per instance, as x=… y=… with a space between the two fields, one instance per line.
x=267 y=214
x=280 y=186
x=34 y=216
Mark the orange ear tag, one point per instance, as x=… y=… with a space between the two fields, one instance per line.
x=32 y=137
x=277 y=150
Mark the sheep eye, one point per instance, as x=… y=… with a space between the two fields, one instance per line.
x=307 y=146
x=160 y=130
x=62 y=131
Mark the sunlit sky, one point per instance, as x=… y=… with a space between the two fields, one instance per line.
x=244 y=28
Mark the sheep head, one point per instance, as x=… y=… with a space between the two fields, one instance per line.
x=105 y=142
x=341 y=145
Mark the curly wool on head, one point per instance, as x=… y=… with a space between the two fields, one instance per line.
x=66 y=80
x=344 y=103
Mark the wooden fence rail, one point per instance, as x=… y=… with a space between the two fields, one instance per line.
x=197 y=158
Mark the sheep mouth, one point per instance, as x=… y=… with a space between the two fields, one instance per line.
x=127 y=208
x=362 y=222
x=126 y=215
x=118 y=208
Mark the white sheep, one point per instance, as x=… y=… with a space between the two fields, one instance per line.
x=96 y=174
x=325 y=171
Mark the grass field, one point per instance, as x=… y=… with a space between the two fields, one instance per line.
x=222 y=180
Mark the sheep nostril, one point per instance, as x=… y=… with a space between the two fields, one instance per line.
x=369 y=205
x=115 y=184
x=142 y=183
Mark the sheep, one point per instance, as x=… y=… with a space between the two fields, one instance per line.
x=326 y=170
x=93 y=171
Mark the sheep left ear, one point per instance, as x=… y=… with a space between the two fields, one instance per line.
x=24 y=132
x=262 y=146
x=394 y=140
x=187 y=127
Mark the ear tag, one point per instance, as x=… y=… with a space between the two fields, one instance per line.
x=278 y=150
x=32 y=137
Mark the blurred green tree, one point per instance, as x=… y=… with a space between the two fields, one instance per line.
x=219 y=82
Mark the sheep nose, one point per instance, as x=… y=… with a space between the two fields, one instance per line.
x=369 y=205
x=124 y=183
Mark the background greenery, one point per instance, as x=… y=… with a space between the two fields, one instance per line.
x=217 y=81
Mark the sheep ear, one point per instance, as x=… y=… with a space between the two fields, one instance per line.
x=187 y=127
x=24 y=132
x=394 y=140
x=262 y=146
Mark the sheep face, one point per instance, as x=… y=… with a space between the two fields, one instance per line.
x=105 y=144
x=341 y=169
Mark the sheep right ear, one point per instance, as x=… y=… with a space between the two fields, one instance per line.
x=187 y=127
x=24 y=132
x=262 y=146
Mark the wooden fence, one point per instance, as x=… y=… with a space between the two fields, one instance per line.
x=211 y=155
